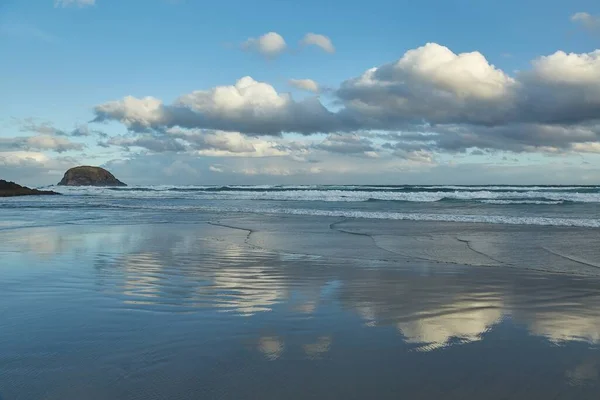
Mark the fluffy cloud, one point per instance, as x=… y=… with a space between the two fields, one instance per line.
x=270 y=44
x=137 y=114
x=249 y=107
x=305 y=84
x=76 y=3
x=450 y=101
x=586 y=20
x=430 y=84
x=571 y=69
x=430 y=100
x=321 y=41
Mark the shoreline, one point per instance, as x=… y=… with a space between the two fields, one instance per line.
x=245 y=302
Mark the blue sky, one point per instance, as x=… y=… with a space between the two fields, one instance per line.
x=63 y=62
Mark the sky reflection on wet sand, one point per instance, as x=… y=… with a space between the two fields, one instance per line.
x=208 y=311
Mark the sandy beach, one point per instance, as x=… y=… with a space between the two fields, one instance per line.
x=271 y=307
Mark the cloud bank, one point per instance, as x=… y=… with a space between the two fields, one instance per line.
x=431 y=99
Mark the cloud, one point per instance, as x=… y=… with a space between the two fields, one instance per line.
x=73 y=3
x=20 y=158
x=434 y=85
x=586 y=20
x=463 y=101
x=429 y=100
x=430 y=84
x=33 y=168
x=200 y=142
x=346 y=144
x=156 y=144
x=269 y=45
x=47 y=128
x=305 y=84
x=83 y=130
x=321 y=41
x=136 y=114
x=518 y=138
x=249 y=106
x=40 y=142
x=228 y=144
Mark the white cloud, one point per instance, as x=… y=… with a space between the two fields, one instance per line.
x=228 y=144
x=200 y=142
x=587 y=147
x=248 y=106
x=321 y=41
x=133 y=112
x=588 y=21
x=438 y=100
x=74 y=3
x=571 y=68
x=430 y=84
x=305 y=84
x=465 y=75
x=270 y=44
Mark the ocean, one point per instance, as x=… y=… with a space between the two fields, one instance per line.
x=526 y=205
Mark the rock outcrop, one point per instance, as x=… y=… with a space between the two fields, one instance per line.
x=89 y=176
x=10 y=189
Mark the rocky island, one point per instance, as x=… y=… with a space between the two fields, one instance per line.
x=89 y=176
x=10 y=189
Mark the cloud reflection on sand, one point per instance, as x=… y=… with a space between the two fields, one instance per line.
x=462 y=320
x=271 y=346
x=195 y=268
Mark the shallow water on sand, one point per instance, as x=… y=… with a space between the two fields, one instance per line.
x=299 y=307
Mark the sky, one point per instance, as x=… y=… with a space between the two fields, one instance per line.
x=312 y=92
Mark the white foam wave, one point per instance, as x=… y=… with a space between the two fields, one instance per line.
x=488 y=219
x=534 y=196
x=510 y=202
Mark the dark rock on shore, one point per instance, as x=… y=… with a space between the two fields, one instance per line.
x=10 y=189
x=89 y=176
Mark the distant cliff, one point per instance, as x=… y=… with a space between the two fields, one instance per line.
x=10 y=189
x=89 y=176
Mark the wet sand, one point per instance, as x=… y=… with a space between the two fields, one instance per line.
x=271 y=307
